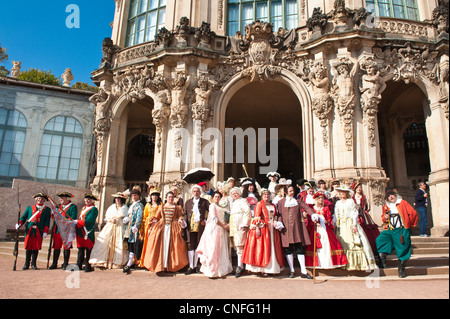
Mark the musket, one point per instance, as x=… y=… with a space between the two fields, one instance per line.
x=51 y=241
x=16 y=245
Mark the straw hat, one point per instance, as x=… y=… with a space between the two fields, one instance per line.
x=120 y=195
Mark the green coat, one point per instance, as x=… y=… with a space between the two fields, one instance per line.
x=36 y=227
x=86 y=223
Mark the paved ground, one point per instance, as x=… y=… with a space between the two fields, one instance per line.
x=143 y=284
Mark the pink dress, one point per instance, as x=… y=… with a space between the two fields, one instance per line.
x=213 y=248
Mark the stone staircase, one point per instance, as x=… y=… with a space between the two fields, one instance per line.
x=429 y=260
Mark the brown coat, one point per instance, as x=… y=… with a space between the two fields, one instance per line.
x=294 y=230
x=154 y=255
x=203 y=207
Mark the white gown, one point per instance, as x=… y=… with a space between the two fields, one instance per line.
x=214 y=248
x=356 y=245
x=108 y=250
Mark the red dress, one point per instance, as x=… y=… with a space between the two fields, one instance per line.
x=337 y=254
x=367 y=223
x=257 y=251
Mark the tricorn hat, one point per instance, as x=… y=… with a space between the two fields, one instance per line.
x=301 y=182
x=90 y=196
x=65 y=194
x=41 y=195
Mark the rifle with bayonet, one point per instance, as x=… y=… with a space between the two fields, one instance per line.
x=16 y=245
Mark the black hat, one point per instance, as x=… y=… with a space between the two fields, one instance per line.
x=301 y=182
x=65 y=194
x=90 y=196
x=390 y=192
x=41 y=195
x=248 y=181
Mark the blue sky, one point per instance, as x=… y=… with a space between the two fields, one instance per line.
x=35 y=33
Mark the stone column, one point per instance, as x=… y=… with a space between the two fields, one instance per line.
x=438 y=140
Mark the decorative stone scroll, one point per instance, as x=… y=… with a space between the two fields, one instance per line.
x=378 y=186
x=132 y=82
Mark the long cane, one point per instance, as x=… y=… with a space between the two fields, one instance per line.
x=314 y=253
x=16 y=245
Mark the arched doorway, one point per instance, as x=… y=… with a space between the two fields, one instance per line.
x=404 y=150
x=140 y=144
x=266 y=105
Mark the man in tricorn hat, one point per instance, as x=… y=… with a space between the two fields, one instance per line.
x=302 y=189
x=399 y=218
x=85 y=232
x=37 y=222
x=273 y=178
x=69 y=211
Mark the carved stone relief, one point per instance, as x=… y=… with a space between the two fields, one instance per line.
x=322 y=103
x=344 y=71
x=373 y=84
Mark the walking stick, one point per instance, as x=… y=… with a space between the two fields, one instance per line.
x=16 y=245
x=314 y=253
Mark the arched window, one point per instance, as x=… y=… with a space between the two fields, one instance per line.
x=13 y=130
x=404 y=9
x=281 y=13
x=146 y=17
x=60 y=154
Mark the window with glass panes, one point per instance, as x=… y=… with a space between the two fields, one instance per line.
x=145 y=18
x=13 y=130
x=60 y=153
x=404 y=9
x=281 y=13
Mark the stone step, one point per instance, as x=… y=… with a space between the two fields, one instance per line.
x=410 y=271
x=422 y=260
x=430 y=245
x=430 y=250
x=417 y=239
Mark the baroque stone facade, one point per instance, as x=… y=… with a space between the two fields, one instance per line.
x=349 y=73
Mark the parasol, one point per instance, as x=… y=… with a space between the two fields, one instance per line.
x=197 y=175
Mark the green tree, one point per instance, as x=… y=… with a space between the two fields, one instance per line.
x=3 y=58
x=84 y=86
x=40 y=76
